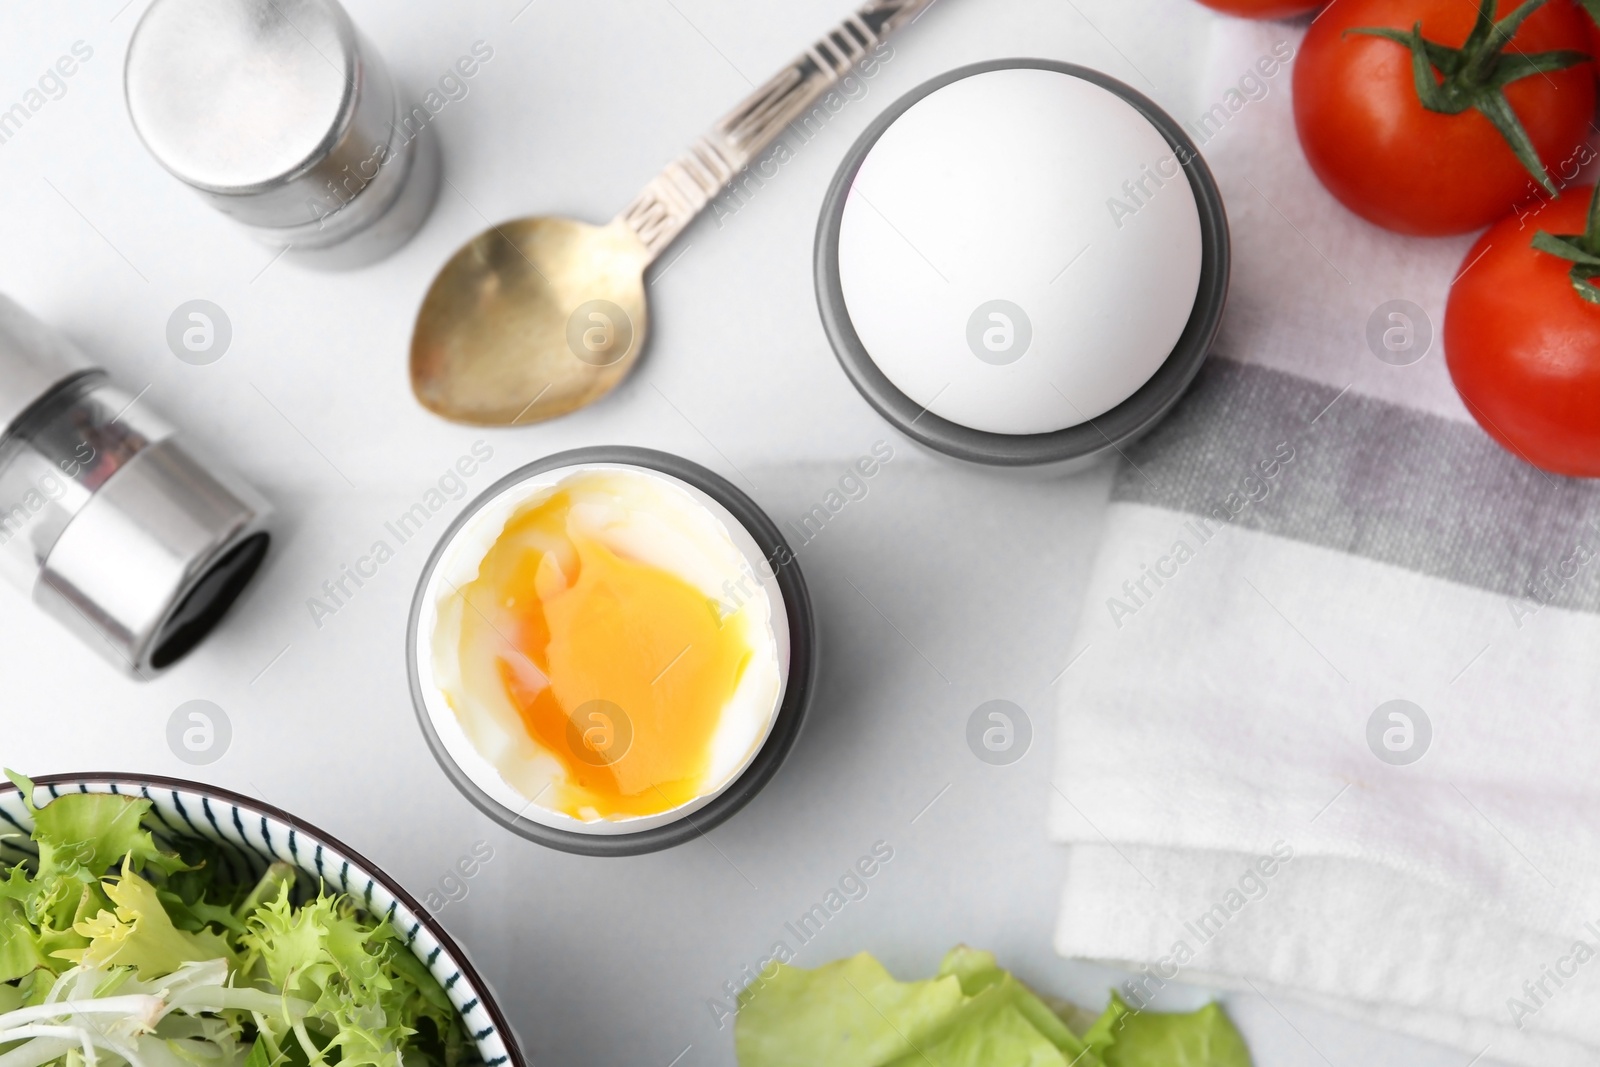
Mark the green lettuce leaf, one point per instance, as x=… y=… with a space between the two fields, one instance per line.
x=991 y=1033
x=980 y=975
x=87 y=834
x=137 y=932
x=260 y=1055
x=23 y=948
x=369 y=994
x=1204 y=1038
x=11 y=997
x=853 y=1013
x=79 y=836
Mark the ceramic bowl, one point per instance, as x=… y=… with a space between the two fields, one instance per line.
x=254 y=834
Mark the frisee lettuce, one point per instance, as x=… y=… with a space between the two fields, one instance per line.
x=853 y=1013
x=117 y=953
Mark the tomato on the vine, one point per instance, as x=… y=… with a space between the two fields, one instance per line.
x=1522 y=335
x=1263 y=9
x=1419 y=116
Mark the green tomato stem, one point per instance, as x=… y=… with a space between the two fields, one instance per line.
x=1581 y=249
x=1453 y=80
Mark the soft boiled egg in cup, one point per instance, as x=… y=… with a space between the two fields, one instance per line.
x=611 y=651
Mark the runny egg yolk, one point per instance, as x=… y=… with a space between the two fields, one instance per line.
x=618 y=669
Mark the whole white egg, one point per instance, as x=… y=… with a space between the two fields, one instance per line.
x=1020 y=251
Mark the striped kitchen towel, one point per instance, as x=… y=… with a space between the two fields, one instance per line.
x=1331 y=725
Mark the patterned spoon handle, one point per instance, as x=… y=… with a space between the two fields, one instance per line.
x=681 y=191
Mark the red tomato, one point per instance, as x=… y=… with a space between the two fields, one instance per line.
x=1263 y=9
x=1524 y=348
x=1395 y=163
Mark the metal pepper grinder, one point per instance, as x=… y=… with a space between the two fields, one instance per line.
x=107 y=520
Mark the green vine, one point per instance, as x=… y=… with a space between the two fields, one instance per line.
x=1474 y=76
x=1582 y=249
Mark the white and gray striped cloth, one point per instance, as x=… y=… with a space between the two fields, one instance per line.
x=1333 y=726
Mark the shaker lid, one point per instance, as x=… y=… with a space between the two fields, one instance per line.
x=34 y=359
x=234 y=96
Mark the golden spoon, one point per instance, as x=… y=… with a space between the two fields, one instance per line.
x=541 y=316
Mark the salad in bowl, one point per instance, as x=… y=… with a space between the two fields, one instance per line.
x=150 y=923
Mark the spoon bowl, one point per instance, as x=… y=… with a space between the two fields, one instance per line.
x=539 y=316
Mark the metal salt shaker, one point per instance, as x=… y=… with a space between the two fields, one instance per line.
x=107 y=520
x=282 y=115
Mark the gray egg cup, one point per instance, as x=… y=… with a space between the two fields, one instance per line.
x=796 y=695
x=1075 y=447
